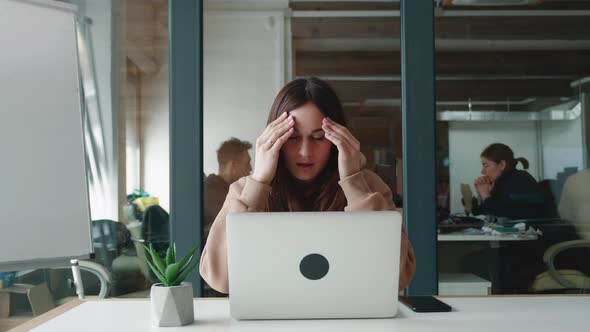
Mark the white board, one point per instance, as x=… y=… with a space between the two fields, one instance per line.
x=44 y=210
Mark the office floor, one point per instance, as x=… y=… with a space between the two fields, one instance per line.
x=14 y=321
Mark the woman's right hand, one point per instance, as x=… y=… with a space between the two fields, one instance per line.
x=268 y=147
x=483 y=186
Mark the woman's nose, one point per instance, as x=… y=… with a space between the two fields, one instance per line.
x=305 y=148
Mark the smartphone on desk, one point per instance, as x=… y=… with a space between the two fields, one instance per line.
x=425 y=304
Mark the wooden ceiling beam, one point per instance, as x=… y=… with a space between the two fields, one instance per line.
x=343 y=5
x=454 y=90
x=517 y=63
x=392 y=112
x=493 y=28
x=394 y=5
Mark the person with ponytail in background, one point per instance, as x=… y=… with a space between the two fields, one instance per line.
x=505 y=191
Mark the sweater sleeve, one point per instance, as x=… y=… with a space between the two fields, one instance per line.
x=492 y=205
x=245 y=195
x=514 y=203
x=365 y=191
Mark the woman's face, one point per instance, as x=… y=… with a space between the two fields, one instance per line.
x=491 y=169
x=307 y=152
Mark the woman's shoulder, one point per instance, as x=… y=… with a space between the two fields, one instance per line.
x=518 y=180
x=513 y=174
x=524 y=175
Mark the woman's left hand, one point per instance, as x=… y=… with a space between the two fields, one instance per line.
x=349 y=148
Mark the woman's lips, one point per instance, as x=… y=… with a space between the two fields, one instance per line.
x=305 y=166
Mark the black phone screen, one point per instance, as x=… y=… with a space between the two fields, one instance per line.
x=425 y=304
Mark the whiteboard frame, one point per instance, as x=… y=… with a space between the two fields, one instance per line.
x=62 y=261
x=51 y=4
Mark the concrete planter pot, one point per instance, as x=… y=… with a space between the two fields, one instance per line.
x=172 y=306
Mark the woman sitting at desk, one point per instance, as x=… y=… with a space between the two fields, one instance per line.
x=306 y=160
x=505 y=191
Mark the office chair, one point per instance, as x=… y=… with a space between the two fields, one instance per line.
x=132 y=275
x=114 y=250
x=109 y=239
x=154 y=229
x=103 y=275
x=42 y=299
x=574 y=208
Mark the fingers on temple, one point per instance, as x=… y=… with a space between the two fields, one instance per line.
x=279 y=119
x=280 y=131
x=281 y=140
x=279 y=124
x=343 y=132
x=339 y=141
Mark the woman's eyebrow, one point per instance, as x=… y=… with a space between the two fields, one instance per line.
x=312 y=132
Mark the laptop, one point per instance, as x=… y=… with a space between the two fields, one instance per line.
x=312 y=265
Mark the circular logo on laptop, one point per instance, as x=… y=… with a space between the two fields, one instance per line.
x=314 y=266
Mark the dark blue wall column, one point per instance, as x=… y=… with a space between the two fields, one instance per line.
x=186 y=127
x=418 y=126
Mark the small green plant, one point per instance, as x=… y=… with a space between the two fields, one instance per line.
x=170 y=272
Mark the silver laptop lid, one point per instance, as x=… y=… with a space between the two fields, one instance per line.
x=313 y=264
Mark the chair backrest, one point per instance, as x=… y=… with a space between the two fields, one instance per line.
x=106 y=240
x=574 y=204
x=154 y=229
x=137 y=236
x=550 y=199
x=156 y=225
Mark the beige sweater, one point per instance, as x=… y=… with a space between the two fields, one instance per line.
x=364 y=191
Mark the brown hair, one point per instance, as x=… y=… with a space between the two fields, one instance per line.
x=324 y=194
x=231 y=150
x=497 y=152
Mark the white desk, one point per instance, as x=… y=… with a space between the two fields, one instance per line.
x=494 y=314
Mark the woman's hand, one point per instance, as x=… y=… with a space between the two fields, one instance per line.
x=350 y=158
x=483 y=185
x=268 y=147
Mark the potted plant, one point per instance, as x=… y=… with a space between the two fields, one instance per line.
x=171 y=300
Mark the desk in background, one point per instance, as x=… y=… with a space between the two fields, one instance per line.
x=494 y=260
x=463 y=284
x=539 y=314
x=486 y=237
